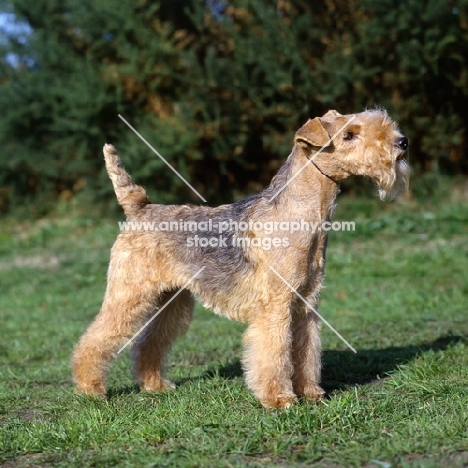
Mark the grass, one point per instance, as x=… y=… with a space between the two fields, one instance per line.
x=396 y=288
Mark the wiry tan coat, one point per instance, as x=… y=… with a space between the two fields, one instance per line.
x=282 y=341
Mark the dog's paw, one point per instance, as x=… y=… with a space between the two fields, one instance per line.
x=313 y=393
x=97 y=390
x=282 y=400
x=157 y=385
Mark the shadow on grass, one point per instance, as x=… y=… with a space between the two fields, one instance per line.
x=341 y=369
x=126 y=390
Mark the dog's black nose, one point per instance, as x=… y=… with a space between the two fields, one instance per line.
x=402 y=143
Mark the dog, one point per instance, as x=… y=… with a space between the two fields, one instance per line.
x=223 y=257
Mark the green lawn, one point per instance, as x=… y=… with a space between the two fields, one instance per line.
x=396 y=289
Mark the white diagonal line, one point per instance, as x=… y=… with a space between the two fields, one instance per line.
x=160 y=310
x=162 y=159
x=311 y=159
x=313 y=310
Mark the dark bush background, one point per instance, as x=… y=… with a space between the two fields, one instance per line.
x=218 y=87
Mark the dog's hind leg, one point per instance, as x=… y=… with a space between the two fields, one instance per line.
x=130 y=297
x=156 y=339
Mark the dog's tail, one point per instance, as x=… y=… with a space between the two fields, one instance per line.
x=131 y=197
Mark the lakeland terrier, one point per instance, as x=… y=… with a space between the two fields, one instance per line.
x=223 y=257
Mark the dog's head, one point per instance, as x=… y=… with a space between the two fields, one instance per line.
x=368 y=144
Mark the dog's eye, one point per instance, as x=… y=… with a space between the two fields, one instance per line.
x=348 y=136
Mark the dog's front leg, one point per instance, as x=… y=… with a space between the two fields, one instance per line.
x=267 y=358
x=306 y=354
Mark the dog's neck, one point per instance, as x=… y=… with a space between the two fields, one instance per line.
x=302 y=188
x=322 y=172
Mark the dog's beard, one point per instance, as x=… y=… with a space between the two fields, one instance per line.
x=400 y=184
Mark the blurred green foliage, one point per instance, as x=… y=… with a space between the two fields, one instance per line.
x=218 y=87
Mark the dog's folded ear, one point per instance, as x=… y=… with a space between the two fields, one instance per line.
x=312 y=133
